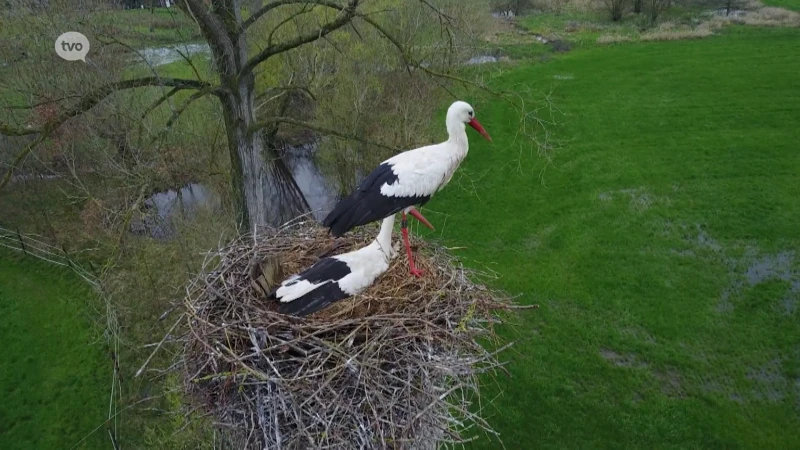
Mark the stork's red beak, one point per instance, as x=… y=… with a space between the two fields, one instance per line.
x=418 y=216
x=477 y=125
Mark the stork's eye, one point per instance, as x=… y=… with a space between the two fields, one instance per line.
x=471 y=113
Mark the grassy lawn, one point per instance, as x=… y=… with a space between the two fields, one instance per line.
x=787 y=4
x=663 y=246
x=54 y=377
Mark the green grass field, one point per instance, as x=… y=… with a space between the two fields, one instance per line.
x=663 y=246
x=787 y=4
x=54 y=377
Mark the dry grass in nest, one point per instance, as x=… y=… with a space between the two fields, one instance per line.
x=395 y=367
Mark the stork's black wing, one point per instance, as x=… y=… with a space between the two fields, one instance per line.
x=366 y=204
x=327 y=272
x=315 y=300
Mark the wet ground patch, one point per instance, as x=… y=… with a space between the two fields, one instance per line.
x=622 y=359
x=640 y=199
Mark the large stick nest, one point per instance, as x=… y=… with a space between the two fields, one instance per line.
x=394 y=367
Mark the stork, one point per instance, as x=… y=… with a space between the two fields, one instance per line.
x=406 y=180
x=337 y=277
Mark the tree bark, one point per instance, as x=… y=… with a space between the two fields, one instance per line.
x=265 y=192
x=637 y=6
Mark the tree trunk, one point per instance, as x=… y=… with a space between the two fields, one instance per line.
x=637 y=6
x=265 y=192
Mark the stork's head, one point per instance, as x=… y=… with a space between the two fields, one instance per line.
x=463 y=112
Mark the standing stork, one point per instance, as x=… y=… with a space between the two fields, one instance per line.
x=337 y=277
x=407 y=179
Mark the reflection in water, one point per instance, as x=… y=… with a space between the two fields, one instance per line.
x=319 y=191
x=167 y=206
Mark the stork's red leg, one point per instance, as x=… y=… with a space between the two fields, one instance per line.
x=404 y=228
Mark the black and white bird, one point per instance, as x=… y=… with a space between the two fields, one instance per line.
x=407 y=179
x=337 y=277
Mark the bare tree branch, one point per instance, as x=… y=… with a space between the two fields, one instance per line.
x=326 y=131
x=8 y=130
x=176 y=114
x=345 y=16
x=276 y=4
x=160 y=100
x=87 y=103
x=93 y=98
x=283 y=22
x=409 y=60
x=210 y=26
x=290 y=87
x=21 y=157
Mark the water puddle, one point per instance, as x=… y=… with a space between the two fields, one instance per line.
x=159 y=56
x=622 y=360
x=503 y=14
x=34 y=176
x=320 y=192
x=165 y=208
x=778 y=266
x=704 y=240
x=483 y=59
x=733 y=12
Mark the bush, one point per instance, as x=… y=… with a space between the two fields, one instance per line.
x=676 y=35
x=616 y=8
x=768 y=16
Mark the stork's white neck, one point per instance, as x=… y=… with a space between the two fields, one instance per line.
x=384 y=239
x=457 y=134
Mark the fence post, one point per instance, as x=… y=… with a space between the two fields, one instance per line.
x=21 y=242
x=66 y=255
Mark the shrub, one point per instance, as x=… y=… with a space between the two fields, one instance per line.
x=676 y=35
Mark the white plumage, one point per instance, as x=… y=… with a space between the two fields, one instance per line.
x=407 y=179
x=337 y=277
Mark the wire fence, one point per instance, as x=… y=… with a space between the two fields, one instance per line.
x=37 y=248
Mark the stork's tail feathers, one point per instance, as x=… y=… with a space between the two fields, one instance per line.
x=302 y=307
x=313 y=301
x=340 y=220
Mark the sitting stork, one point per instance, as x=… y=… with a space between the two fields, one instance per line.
x=337 y=277
x=407 y=179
